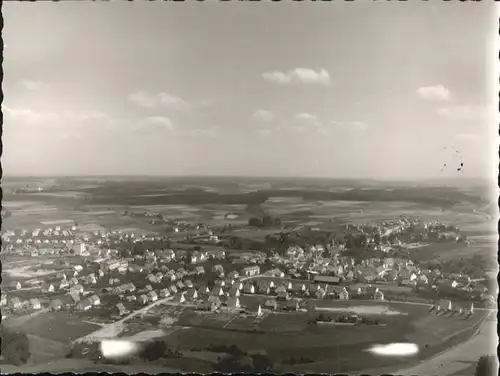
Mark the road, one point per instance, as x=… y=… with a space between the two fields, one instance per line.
x=461 y=356
x=112 y=330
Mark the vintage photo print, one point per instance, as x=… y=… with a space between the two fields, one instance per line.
x=250 y=187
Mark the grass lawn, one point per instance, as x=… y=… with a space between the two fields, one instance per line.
x=56 y=326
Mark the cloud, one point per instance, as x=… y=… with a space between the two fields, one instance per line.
x=160 y=121
x=29 y=117
x=34 y=85
x=209 y=132
x=463 y=113
x=266 y=132
x=298 y=75
x=355 y=125
x=305 y=119
x=434 y=93
x=468 y=137
x=163 y=99
x=264 y=116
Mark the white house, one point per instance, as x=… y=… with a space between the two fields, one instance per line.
x=35 y=304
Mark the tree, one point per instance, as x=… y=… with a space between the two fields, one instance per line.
x=154 y=350
x=487 y=365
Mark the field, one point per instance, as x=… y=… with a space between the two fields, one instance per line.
x=285 y=335
x=55 y=326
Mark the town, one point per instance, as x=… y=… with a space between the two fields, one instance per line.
x=110 y=274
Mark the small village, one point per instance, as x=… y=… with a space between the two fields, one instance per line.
x=81 y=274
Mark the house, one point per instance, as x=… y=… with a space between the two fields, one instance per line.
x=47 y=287
x=75 y=297
x=326 y=279
x=164 y=293
x=76 y=288
x=179 y=298
x=343 y=294
x=212 y=304
x=378 y=295
x=234 y=291
x=188 y=283
x=263 y=287
x=218 y=269
x=320 y=294
x=271 y=304
x=131 y=298
x=199 y=270
x=259 y=311
x=233 y=274
x=15 y=303
x=55 y=305
x=292 y=305
x=173 y=289
x=249 y=288
x=276 y=273
x=251 y=271
x=282 y=294
x=143 y=299
x=35 y=304
x=84 y=305
x=203 y=290
x=152 y=296
x=64 y=284
x=180 y=285
x=233 y=302
x=133 y=268
x=217 y=291
x=95 y=300
x=299 y=288
x=191 y=294
x=220 y=282
x=122 y=311
x=4 y=300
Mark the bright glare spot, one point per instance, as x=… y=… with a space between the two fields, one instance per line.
x=118 y=348
x=395 y=349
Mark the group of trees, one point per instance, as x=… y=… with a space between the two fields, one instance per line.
x=487 y=365
x=241 y=362
x=15 y=347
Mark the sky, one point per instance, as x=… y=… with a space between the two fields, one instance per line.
x=382 y=90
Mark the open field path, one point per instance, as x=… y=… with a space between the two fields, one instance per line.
x=112 y=330
x=461 y=356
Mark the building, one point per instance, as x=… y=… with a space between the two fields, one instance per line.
x=76 y=288
x=179 y=298
x=122 y=311
x=152 y=296
x=143 y=299
x=35 y=304
x=55 y=305
x=378 y=295
x=84 y=305
x=251 y=271
x=292 y=305
x=15 y=303
x=270 y=304
x=249 y=288
x=233 y=302
x=191 y=294
x=95 y=300
x=164 y=293
x=326 y=279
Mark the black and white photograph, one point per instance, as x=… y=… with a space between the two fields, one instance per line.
x=260 y=187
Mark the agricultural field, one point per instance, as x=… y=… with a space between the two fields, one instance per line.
x=55 y=326
x=285 y=335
